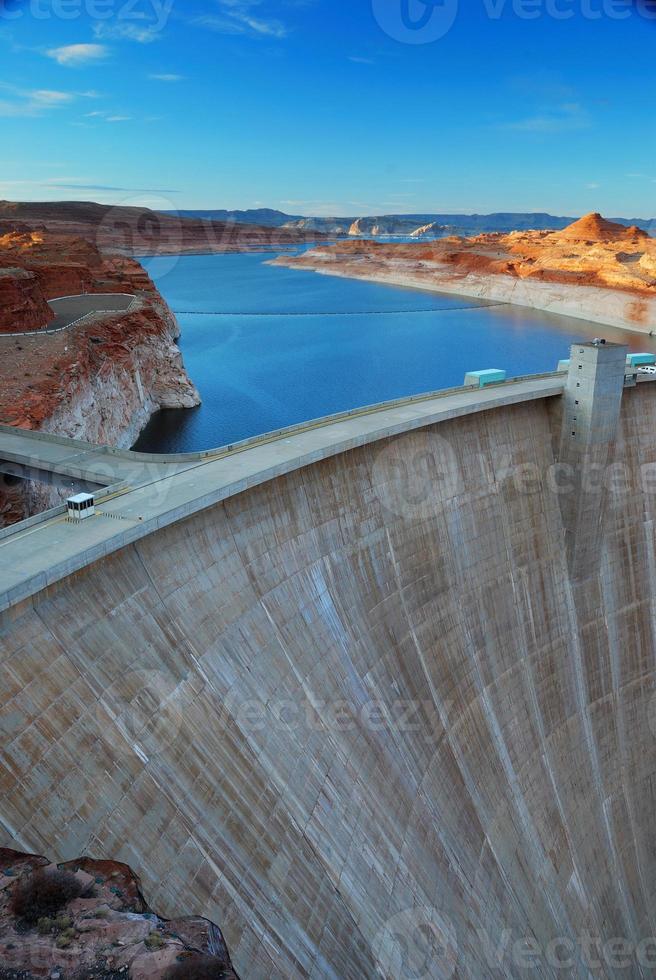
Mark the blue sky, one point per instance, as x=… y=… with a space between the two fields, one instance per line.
x=329 y=107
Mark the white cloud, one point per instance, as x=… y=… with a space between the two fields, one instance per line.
x=25 y=103
x=166 y=78
x=239 y=17
x=47 y=97
x=126 y=32
x=76 y=55
x=561 y=119
x=107 y=116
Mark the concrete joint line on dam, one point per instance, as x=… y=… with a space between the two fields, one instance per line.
x=349 y=689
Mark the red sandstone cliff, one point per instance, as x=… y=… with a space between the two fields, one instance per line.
x=65 y=265
x=23 y=304
x=100 y=380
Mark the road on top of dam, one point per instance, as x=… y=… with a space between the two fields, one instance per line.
x=144 y=493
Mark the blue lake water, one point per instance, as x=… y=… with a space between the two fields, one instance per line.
x=269 y=346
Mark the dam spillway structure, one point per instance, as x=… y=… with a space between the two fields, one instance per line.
x=377 y=694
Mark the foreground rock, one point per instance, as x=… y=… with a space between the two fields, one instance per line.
x=594 y=269
x=108 y=931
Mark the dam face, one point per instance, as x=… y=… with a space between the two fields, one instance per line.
x=364 y=715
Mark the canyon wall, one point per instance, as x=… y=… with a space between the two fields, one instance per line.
x=372 y=731
x=23 y=303
x=128 y=368
x=99 y=380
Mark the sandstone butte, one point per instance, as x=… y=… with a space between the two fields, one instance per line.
x=543 y=269
x=107 y=933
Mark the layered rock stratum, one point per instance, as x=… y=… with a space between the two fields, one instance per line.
x=107 y=932
x=22 y=300
x=594 y=269
x=142 y=231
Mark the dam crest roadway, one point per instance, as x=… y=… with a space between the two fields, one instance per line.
x=148 y=491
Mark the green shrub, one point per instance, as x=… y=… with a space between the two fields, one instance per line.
x=42 y=894
x=65 y=938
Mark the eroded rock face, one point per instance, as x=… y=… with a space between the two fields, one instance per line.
x=109 y=931
x=100 y=380
x=66 y=265
x=23 y=303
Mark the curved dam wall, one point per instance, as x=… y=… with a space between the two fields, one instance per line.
x=361 y=715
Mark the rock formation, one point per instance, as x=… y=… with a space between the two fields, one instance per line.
x=430 y=230
x=326 y=226
x=100 y=380
x=23 y=304
x=542 y=269
x=594 y=228
x=107 y=931
x=391 y=225
x=140 y=231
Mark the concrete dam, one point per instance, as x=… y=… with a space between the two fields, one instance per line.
x=376 y=694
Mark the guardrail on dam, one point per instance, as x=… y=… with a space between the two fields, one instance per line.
x=351 y=691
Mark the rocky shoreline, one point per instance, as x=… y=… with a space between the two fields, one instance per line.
x=607 y=307
x=594 y=271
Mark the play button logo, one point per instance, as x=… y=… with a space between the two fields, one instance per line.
x=415 y=21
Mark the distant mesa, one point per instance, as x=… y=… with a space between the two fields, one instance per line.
x=592 y=227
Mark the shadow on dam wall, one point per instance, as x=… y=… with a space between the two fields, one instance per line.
x=369 y=732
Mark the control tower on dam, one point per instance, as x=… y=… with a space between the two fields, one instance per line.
x=377 y=694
